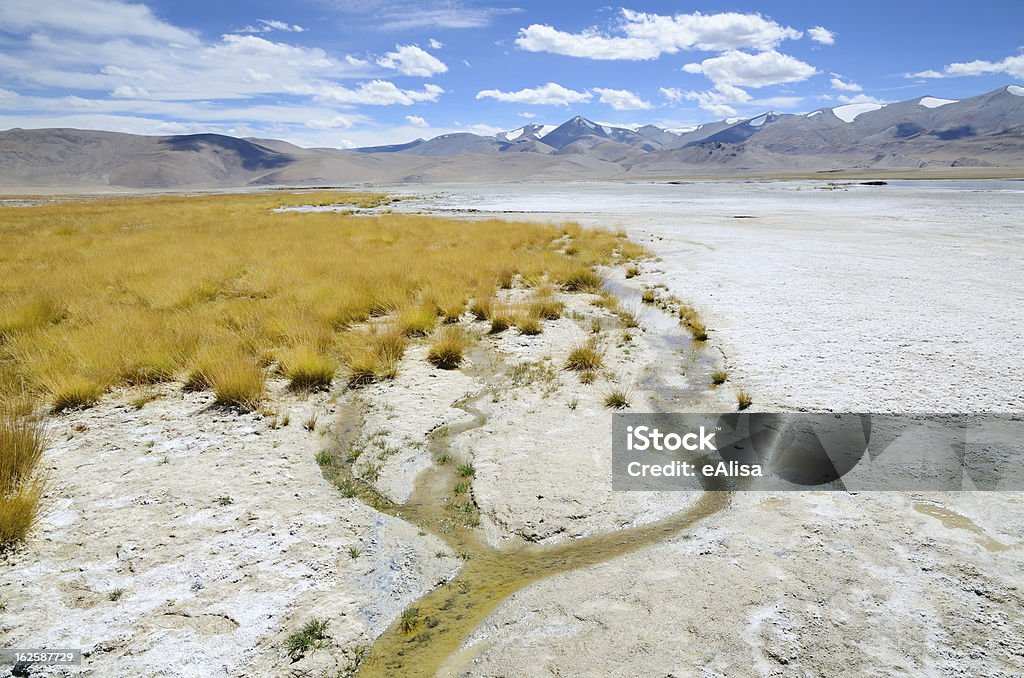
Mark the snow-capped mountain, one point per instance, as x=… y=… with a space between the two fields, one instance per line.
x=981 y=131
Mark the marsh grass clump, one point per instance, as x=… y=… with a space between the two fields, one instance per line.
x=580 y=279
x=718 y=377
x=312 y=635
x=373 y=357
x=649 y=296
x=22 y=444
x=73 y=392
x=501 y=320
x=588 y=377
x=528 y=324
x=238 y=383
x=586 y=357
x=418 y=321
x=409 y=621
x=447 y=351
x=632 y=271
x=306 y=370
x=466 y=470
x=546 y=308
x=691 y=320
x=482 y=308
x=743 y=399
x=617 y=399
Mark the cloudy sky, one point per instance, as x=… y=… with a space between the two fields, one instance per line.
x=357 y=72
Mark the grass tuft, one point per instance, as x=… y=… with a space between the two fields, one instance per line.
x=21 y=484
x=616 y=399
x=410 y=620
x=718 y=377
x=743 y=399
x=448 y=349
x=632 y=271
x=580 y=279
x=238 y=383
x=72 y=392
x=529 y=324
x=307 y=370
x=312 y=635
x=585 y=357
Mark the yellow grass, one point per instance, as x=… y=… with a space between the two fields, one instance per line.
x=446 y=352
x=585 y=357
x=219 y=290
x=21 y=486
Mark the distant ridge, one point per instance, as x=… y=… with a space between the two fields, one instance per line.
x=924 y=132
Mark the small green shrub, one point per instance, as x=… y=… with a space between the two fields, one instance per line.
x=312 y=635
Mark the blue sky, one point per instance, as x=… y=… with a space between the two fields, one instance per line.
x=356 y=72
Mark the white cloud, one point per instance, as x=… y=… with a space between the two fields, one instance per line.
x=442 y=14
x=483 y=130
x=268 y=25
x=718 y=101
x=337 y=122
x=1011 y=65
x=622 y=99
x=839 y=84
x=93 y=18
x=860 y=99
x=524 y=114
x=416 y=121
x=673 y=94
x=752 y=70
x=648 y=36
x=435 y=44
x=551 y=94
x=412 y=60
x=822 y=35
x=373 y=93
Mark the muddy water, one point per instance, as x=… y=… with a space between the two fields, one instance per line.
x=955 y=521
x=437 y=624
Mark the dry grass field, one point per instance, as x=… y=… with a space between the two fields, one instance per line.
x=221 y=291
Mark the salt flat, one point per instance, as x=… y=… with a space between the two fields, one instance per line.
x=902 y=297
x=834 y=296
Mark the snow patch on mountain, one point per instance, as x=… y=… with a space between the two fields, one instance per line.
x=849 y=112
x=934 y=102
x=1016 y=90
x=812 y=114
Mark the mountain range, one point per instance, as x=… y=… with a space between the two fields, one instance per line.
x=925 y=132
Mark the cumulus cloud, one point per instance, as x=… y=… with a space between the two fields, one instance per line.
x=647 y=36
x=621 y=99
x=412 y=60
x=268 y=25
x=752 y=70
x=416 y=121
x=839 y=84
x=717 y=102
x=551 y=94
x=822 y=35
x=1011 y=65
